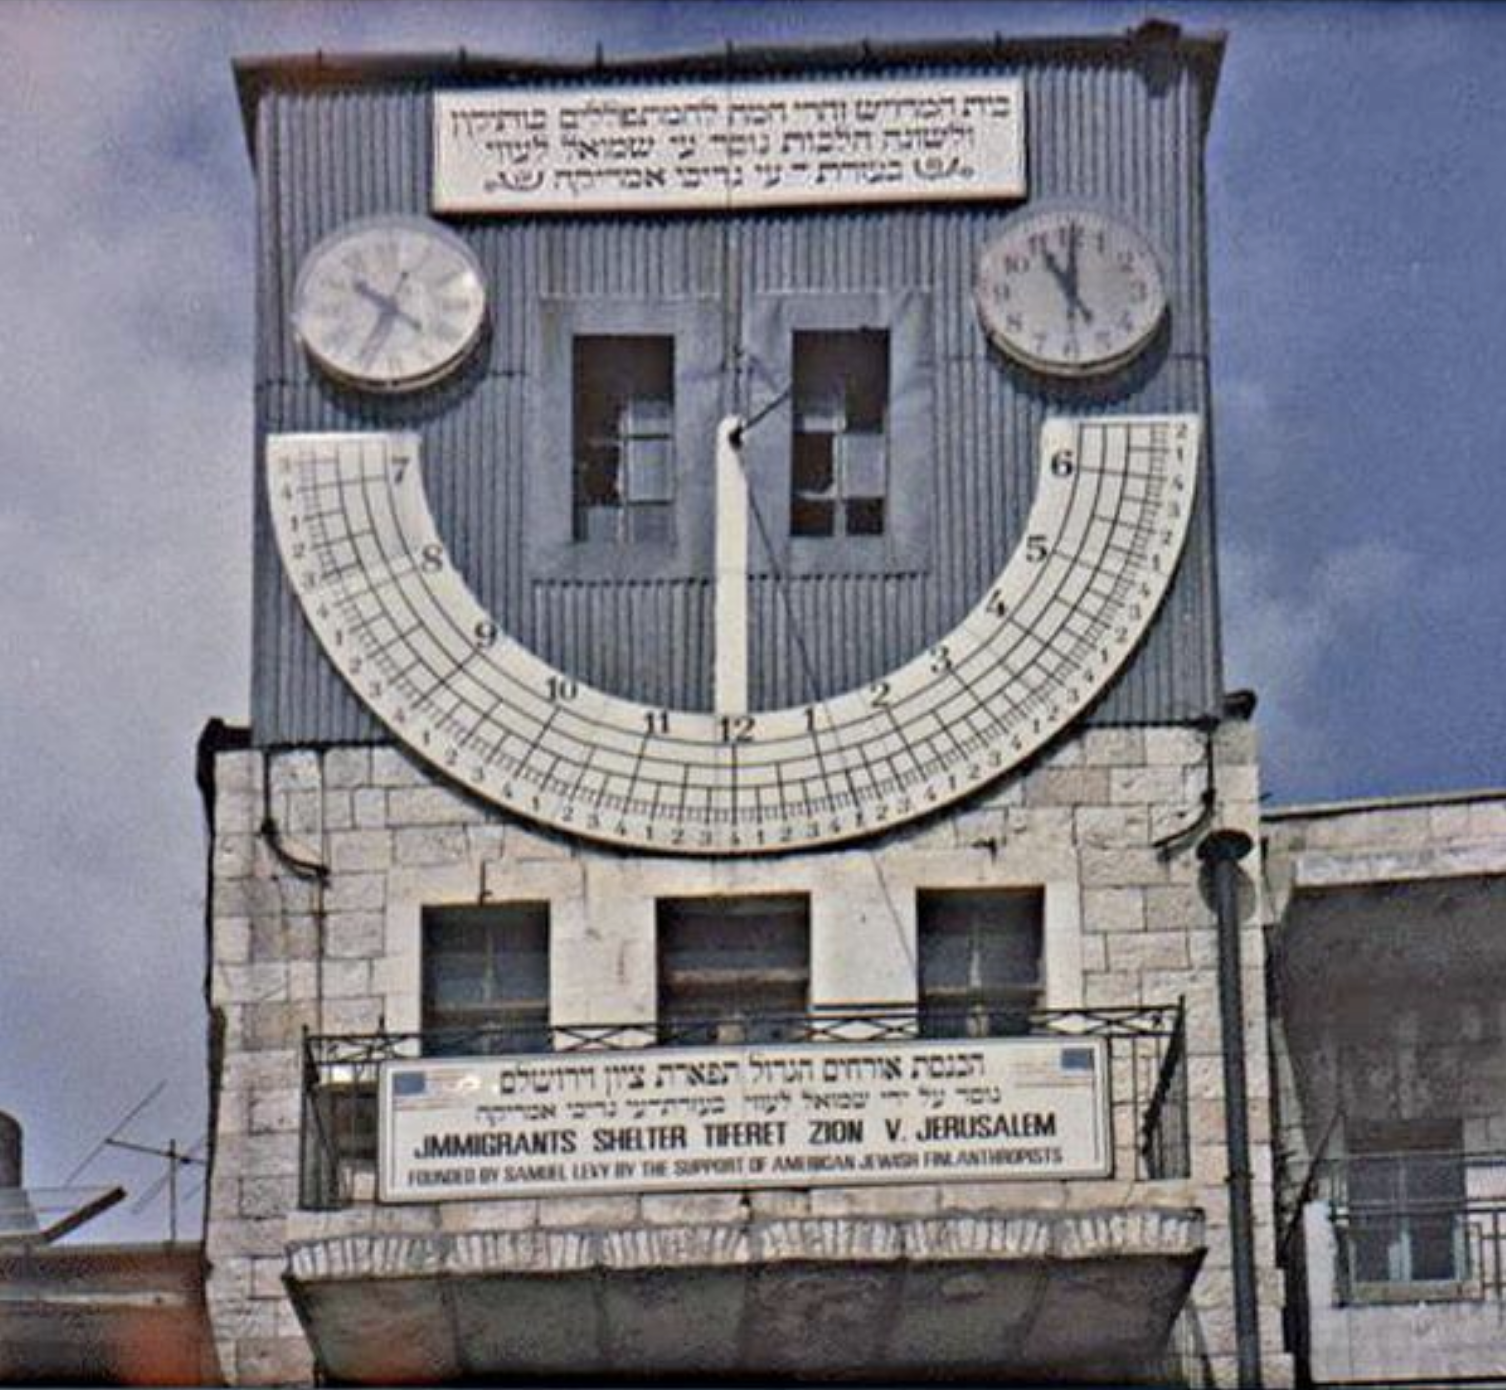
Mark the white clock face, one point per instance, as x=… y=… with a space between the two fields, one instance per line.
x=389 y=304
x=379 y=588
x=1070 y=293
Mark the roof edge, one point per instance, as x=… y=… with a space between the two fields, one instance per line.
x=1319 y=810
x=256 y=74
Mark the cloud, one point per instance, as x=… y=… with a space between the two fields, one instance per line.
x=124 y=517
x=1298 y=639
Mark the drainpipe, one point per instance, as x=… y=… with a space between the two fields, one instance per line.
x=1221 y=851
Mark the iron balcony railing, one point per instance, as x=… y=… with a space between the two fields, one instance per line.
x=1147 y=1061
x=1414 y=1225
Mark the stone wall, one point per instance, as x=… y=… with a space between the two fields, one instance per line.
x=1389 y=966
x=1126 y=924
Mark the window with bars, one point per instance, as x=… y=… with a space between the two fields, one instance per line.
x=1406 y=1201
x=623 y=426
x=980 y=961
x=839 y=468
x=486 y=978
x=733 y=970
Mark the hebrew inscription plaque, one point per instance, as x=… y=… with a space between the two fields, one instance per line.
x=711 y=147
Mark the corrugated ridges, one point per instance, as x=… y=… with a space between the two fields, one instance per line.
x=1097 y=131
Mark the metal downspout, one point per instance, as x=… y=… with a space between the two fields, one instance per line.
x=1222 y=850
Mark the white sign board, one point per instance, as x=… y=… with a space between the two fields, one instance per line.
x=713 y=147
x=680 y=1118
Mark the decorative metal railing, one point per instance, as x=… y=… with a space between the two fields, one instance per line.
x=1147 y=1059
x=1418 y=1225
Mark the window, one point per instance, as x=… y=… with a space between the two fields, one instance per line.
x=624 y=450
x=839 y=473
x=339 y=1150
x=980 y=961
x=486 y=978
x=733 y=970
x=1406 y=1202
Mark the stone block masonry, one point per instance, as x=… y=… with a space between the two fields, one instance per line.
x=1127 y=922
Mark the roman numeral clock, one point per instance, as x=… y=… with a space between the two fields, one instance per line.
x=397 y=305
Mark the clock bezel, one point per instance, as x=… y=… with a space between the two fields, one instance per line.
x=1086 y=369
x=376 y=224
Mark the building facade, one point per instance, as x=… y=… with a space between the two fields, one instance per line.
x=743 y=861
x=1387 y=974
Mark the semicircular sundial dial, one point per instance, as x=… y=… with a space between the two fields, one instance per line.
x=1110 y=515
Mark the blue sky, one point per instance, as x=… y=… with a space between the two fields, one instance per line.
x=1358 y=192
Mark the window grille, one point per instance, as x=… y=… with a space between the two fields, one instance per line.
x=487 y=968
x=1406 y=1202
x=839 y=472
x=733 y=970
x=980 y=961
x=623 y=432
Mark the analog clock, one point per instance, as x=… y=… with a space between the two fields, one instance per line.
x=389 y=303
x=1070 y=292
x=400 y=622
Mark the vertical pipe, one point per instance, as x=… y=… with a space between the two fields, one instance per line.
x=1222 y=850
x=731 y=622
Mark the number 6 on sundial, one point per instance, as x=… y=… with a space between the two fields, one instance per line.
x=360 y=548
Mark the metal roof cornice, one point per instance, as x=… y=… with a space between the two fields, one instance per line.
x=1203 y=53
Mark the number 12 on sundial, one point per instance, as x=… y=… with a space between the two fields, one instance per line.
x=1114 y=497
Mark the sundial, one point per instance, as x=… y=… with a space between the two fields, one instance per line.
x=402 y=624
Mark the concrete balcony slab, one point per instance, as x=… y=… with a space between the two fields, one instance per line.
x=1090 y=1292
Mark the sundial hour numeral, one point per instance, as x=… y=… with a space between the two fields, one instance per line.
x=1036 y=549
x=431 y=558
x=737 y=728
x=486 y=633
x=561 y=689
x=656 y=721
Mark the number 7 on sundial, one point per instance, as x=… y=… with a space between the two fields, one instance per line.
x=1114 y=497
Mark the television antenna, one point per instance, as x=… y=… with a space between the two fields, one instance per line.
x=176 y=1158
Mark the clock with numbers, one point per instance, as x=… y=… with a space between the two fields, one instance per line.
x=1069 y=292
x=380 y=588
x=390 y=303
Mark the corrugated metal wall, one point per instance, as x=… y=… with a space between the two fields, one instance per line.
x=1097 y=131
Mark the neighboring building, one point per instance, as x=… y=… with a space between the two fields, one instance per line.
x=743 y=861
x=1389 y=974
x=92 y=1314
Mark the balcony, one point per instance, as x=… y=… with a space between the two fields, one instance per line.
x=892 y=1264
x=1396 y=1263
x=1145 y=1048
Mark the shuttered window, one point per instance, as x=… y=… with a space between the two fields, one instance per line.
x=486 y=978
x=733 y=969
x=980 y=961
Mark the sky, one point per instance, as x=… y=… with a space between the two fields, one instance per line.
x=1357 y=167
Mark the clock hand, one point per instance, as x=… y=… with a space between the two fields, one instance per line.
x=388 y=304
x=1066 y=280
x=1057 y=273
x=377 y=336
x=1073 y=297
